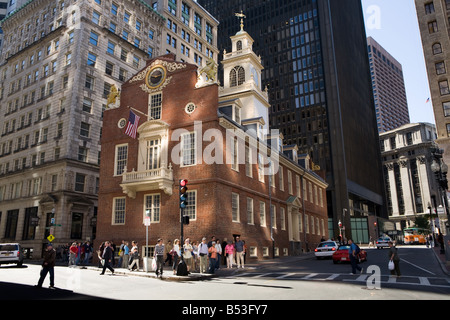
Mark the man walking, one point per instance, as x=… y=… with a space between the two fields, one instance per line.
x=48 y=266
x=352 y=253
x=239 y=246
x=159 y=256
x=107 y=257
x=203 y=253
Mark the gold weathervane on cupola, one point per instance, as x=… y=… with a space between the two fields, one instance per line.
x=242 y=16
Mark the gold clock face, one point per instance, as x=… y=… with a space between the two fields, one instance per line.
x=156 y=77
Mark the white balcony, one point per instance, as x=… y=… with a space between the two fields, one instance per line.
x=156 y=179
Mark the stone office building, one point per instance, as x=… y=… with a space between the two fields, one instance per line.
x=411 y=186
x=190 y=128
x=59 y=63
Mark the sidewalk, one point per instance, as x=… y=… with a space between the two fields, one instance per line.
x=442 y=261
x=195 y=276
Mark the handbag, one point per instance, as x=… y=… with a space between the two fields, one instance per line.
x=391 y=265
x=153 y=264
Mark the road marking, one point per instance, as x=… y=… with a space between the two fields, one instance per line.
x=309 y=276
x=333 y=276
x=424 y=281
x=418 y=267
x=285 y=275
x=362 y=277
x=392 y=280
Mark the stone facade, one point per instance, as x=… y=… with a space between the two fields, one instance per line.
x=411 y=186
x=60 y=61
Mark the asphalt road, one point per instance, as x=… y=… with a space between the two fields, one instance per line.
x=284 y=279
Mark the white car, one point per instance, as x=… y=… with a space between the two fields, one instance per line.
x=11 y=253
x=326 y=249
x=382 y=242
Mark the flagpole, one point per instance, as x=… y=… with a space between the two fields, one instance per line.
x=151 y=118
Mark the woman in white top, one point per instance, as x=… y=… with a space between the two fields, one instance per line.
x=176 y=254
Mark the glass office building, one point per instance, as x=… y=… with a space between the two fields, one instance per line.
x=317 y=72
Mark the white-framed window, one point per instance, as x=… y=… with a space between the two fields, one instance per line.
x=155 y=106
x=152 y=207
x=307 y=223
x=283 y=218
x=188 y=149
x=253 y=252
x=261 y=168
x=262 y=213
x=290 y=189
x=250 y=219
x=153 y=154
x=235 y=207
x=273 y=216
x=297 y=185
x=281 y=177
x=118 y=214
x=121 y=157
x=191 y=208
x=300 y=222
x=248 y=164
x=234 y=154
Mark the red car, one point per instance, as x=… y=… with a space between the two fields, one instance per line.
x=341 y=255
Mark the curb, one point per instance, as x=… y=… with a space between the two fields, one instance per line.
x=441 y=263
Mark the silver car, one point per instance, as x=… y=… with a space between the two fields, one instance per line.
x=11 y=253
x=325 y=249
x=382 y=242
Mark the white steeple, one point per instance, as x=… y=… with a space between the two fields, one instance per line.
x=242 y=79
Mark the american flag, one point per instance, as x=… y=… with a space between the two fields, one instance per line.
x=133 y=123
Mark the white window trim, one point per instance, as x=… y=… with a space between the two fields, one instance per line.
x=116 y=159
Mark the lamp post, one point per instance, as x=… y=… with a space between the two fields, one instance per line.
x=440 y=170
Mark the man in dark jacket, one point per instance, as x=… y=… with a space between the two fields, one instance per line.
x=107 y=257
x=48 y=266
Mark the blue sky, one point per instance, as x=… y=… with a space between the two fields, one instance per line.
x=393 y=24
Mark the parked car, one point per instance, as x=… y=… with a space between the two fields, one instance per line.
x=11 y=253
x=325 y=249
x=341 y=255
x=382 y=242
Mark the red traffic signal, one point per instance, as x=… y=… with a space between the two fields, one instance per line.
x=183 y=193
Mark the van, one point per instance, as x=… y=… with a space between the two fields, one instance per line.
x=11 y=253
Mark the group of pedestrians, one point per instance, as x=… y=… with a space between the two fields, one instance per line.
x=128 y=257
x=203 y=256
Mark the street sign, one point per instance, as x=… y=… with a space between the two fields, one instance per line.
x=147 y=221
x=51 y=238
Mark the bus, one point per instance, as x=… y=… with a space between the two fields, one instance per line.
x=415 y=235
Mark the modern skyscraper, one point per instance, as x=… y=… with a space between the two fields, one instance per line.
x=316 y=69
x=388 y=88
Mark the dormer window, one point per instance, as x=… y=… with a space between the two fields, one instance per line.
x=237 y=76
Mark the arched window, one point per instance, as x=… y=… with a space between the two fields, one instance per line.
x=437 y=48
x=239 y=45
x=237 y=76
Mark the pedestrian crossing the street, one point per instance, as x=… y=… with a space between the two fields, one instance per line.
x=349 y=278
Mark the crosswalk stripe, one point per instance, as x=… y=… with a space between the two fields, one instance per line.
x=309 y=276
x=424 y=281
x=333 y=276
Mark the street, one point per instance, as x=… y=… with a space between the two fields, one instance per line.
x=293 y=278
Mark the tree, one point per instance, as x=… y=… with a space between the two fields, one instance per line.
x=422 y=222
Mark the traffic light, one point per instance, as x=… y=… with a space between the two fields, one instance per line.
x=183 y=193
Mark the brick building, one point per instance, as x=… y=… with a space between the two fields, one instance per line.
x=216 y=138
